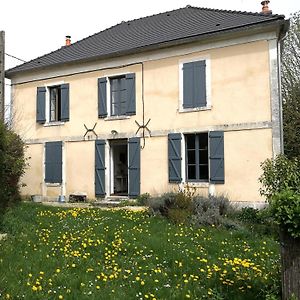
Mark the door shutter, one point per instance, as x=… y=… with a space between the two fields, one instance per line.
x=216 y=158
x=53 y=162
x=64 y=104
x=199 y=84
x=174 y=157
x=130 y=94
x=134 y=166
x=40 y=105
x=100 y=168
x=102 y=97
x=194 y=84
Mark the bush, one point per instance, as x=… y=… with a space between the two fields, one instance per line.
x=12 y=166
x=143 y=199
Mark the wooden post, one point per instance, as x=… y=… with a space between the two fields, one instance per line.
x=2 y=77
x=290 y=257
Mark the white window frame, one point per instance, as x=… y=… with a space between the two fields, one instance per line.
x=48 y=123
x=207 y=60
x=108 y=98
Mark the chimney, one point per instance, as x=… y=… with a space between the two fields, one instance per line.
x=265 y=8
x=68 y=40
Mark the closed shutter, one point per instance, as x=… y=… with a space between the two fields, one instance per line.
x=134 y=166
x=194 y=84
x=40 y=105
x=174 y=157
x=100 y=168
x=102 y=97
x=216 y=158
x=53 y=162
x=64 y=89
x=130 y=94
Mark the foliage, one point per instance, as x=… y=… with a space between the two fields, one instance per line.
x=279 y=174
x=12 y=166
x=143 y=199
x=85 y=253
x=291 y=88
x=285 y=206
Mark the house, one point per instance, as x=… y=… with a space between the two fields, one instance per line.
x=186 y=96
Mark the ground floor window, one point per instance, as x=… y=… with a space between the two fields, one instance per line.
x=197 y=157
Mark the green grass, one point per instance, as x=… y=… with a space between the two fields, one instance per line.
x=54 y=253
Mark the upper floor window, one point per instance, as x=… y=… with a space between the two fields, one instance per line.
x=52 y=104
x=116 y=96
x=55 y=103
x=194 y=85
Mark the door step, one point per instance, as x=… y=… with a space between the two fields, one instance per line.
x=111 y=201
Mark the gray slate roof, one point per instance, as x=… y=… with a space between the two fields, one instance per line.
x=146 y=33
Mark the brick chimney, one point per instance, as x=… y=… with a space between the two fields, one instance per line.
x=68 y=40
x=265 y=8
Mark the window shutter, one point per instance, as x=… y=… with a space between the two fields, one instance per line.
x=64 y=104
x=53 y=162
x=134 y=166
x=188 y=86
x=216 y=158
x=200 y=83
x=100 y=168
x=174 y=157
x=194 y=84
x=102 y=97
x=40 y=105
x=130 y=94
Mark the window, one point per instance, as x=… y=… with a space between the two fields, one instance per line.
x=196 y=157
x=194 y=85
x=203 y=160
x=116 y=96
x=55 y=104
x=53 y=162
x=52 y=104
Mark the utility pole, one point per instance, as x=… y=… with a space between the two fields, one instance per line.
x=2 y=76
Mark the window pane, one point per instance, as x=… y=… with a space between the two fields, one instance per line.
x=203 y=170
x=191 y=157
x=190 y=140
x=118 y=96
x=203 y=141
x=53 y=104
x=203 y=156
x=191 y=172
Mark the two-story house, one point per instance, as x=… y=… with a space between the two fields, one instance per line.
x=186 y=96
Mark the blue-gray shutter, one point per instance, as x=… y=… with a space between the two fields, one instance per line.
x=64 y=103
x=130 y=94
x=174 y=157
x=194 y=84
x=216 y=157
x=100 y=168
x=102 y=97
x=134 y=167
x=53 y=162
x=41 y=105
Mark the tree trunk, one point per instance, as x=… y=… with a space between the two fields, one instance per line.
x=290 y=260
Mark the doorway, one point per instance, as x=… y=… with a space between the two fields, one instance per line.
x=119 y=167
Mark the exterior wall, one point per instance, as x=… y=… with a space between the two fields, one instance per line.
x=240 y=101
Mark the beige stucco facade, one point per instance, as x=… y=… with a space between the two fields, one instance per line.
x=240 y=99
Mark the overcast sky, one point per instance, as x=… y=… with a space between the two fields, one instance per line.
x=34 y=27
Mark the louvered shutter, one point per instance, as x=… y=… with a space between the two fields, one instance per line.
x=41 y=105
x=64 y=109
x=194 y=84
x=53 y=162
x=130 y=94
x=102 y=97
x=100 y=168
x=174 y=157
x=134 y=167
x=216 y=157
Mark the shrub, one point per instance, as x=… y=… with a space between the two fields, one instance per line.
x=143 y=199
x=12 y=166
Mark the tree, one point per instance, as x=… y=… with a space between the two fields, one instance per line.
x=291 y=88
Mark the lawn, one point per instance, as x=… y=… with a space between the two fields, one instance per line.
x=56 y=253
